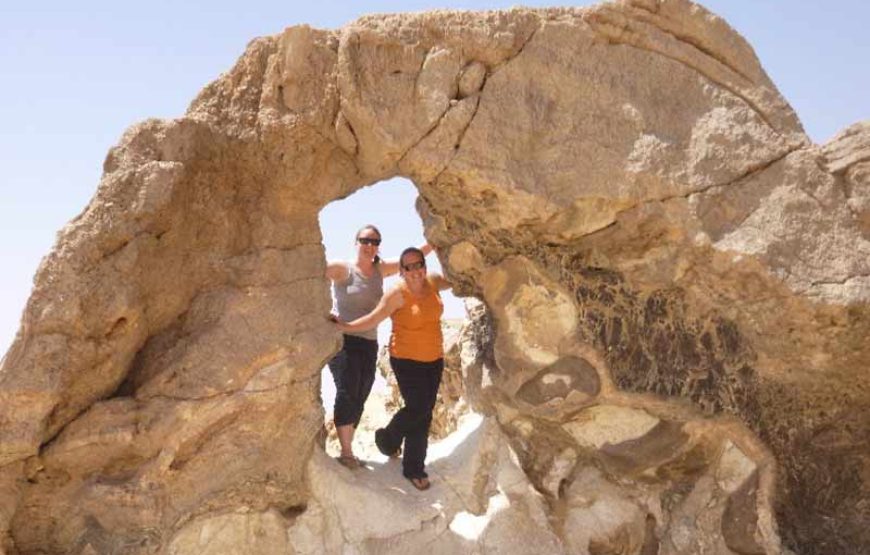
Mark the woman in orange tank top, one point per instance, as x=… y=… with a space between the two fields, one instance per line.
x=417 y=359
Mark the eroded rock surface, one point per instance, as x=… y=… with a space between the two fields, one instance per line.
x=673 y=353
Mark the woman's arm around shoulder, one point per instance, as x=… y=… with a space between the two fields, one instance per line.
x=439 y=282
x=337 y=271
x=389 y=303
x=391 y=267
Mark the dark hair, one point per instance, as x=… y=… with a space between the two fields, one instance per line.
x=410 y=250
x=365 y=227
x=377 y=259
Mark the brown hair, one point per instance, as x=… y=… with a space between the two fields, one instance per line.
x=377 y=258
x=410 y=250
x=365 y=227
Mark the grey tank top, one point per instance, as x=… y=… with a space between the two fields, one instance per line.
x=358 y=296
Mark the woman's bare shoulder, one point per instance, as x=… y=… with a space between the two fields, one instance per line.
x=337 y=270
x=439 y=282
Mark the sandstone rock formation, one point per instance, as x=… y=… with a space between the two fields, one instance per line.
x=674 y=353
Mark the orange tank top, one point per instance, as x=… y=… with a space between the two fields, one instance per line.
x=417 y=326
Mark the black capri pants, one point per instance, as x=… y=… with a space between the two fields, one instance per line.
x=353 y=371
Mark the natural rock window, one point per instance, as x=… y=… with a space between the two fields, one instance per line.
x=390 y=206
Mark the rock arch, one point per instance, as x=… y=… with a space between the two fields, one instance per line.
x=623 y=186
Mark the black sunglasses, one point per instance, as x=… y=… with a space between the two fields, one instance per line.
x=368 y=241
x=414 y=266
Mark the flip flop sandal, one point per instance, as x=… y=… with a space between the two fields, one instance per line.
x=348 y=461
x=421 y=484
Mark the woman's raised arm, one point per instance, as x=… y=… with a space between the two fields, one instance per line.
x=391 y=267
x=439 y=282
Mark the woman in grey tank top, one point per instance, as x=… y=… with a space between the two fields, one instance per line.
x=357 y=288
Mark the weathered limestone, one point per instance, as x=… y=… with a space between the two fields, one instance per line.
x=676 y=481
x=480 y=500
x=671 y=353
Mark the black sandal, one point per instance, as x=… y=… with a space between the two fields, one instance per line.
x=422 y=483
x=348 y=461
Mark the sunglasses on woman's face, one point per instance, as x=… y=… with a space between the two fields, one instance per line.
x=368 y=241
x=414 y=266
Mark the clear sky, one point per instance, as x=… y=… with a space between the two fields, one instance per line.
x=74 y=75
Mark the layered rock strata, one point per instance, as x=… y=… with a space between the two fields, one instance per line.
x=677 y=284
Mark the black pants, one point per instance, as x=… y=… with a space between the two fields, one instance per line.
x=418 y=384
x=353 y=371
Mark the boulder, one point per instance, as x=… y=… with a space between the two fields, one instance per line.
x=670 y=346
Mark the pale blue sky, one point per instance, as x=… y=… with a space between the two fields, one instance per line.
x=76 y=74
